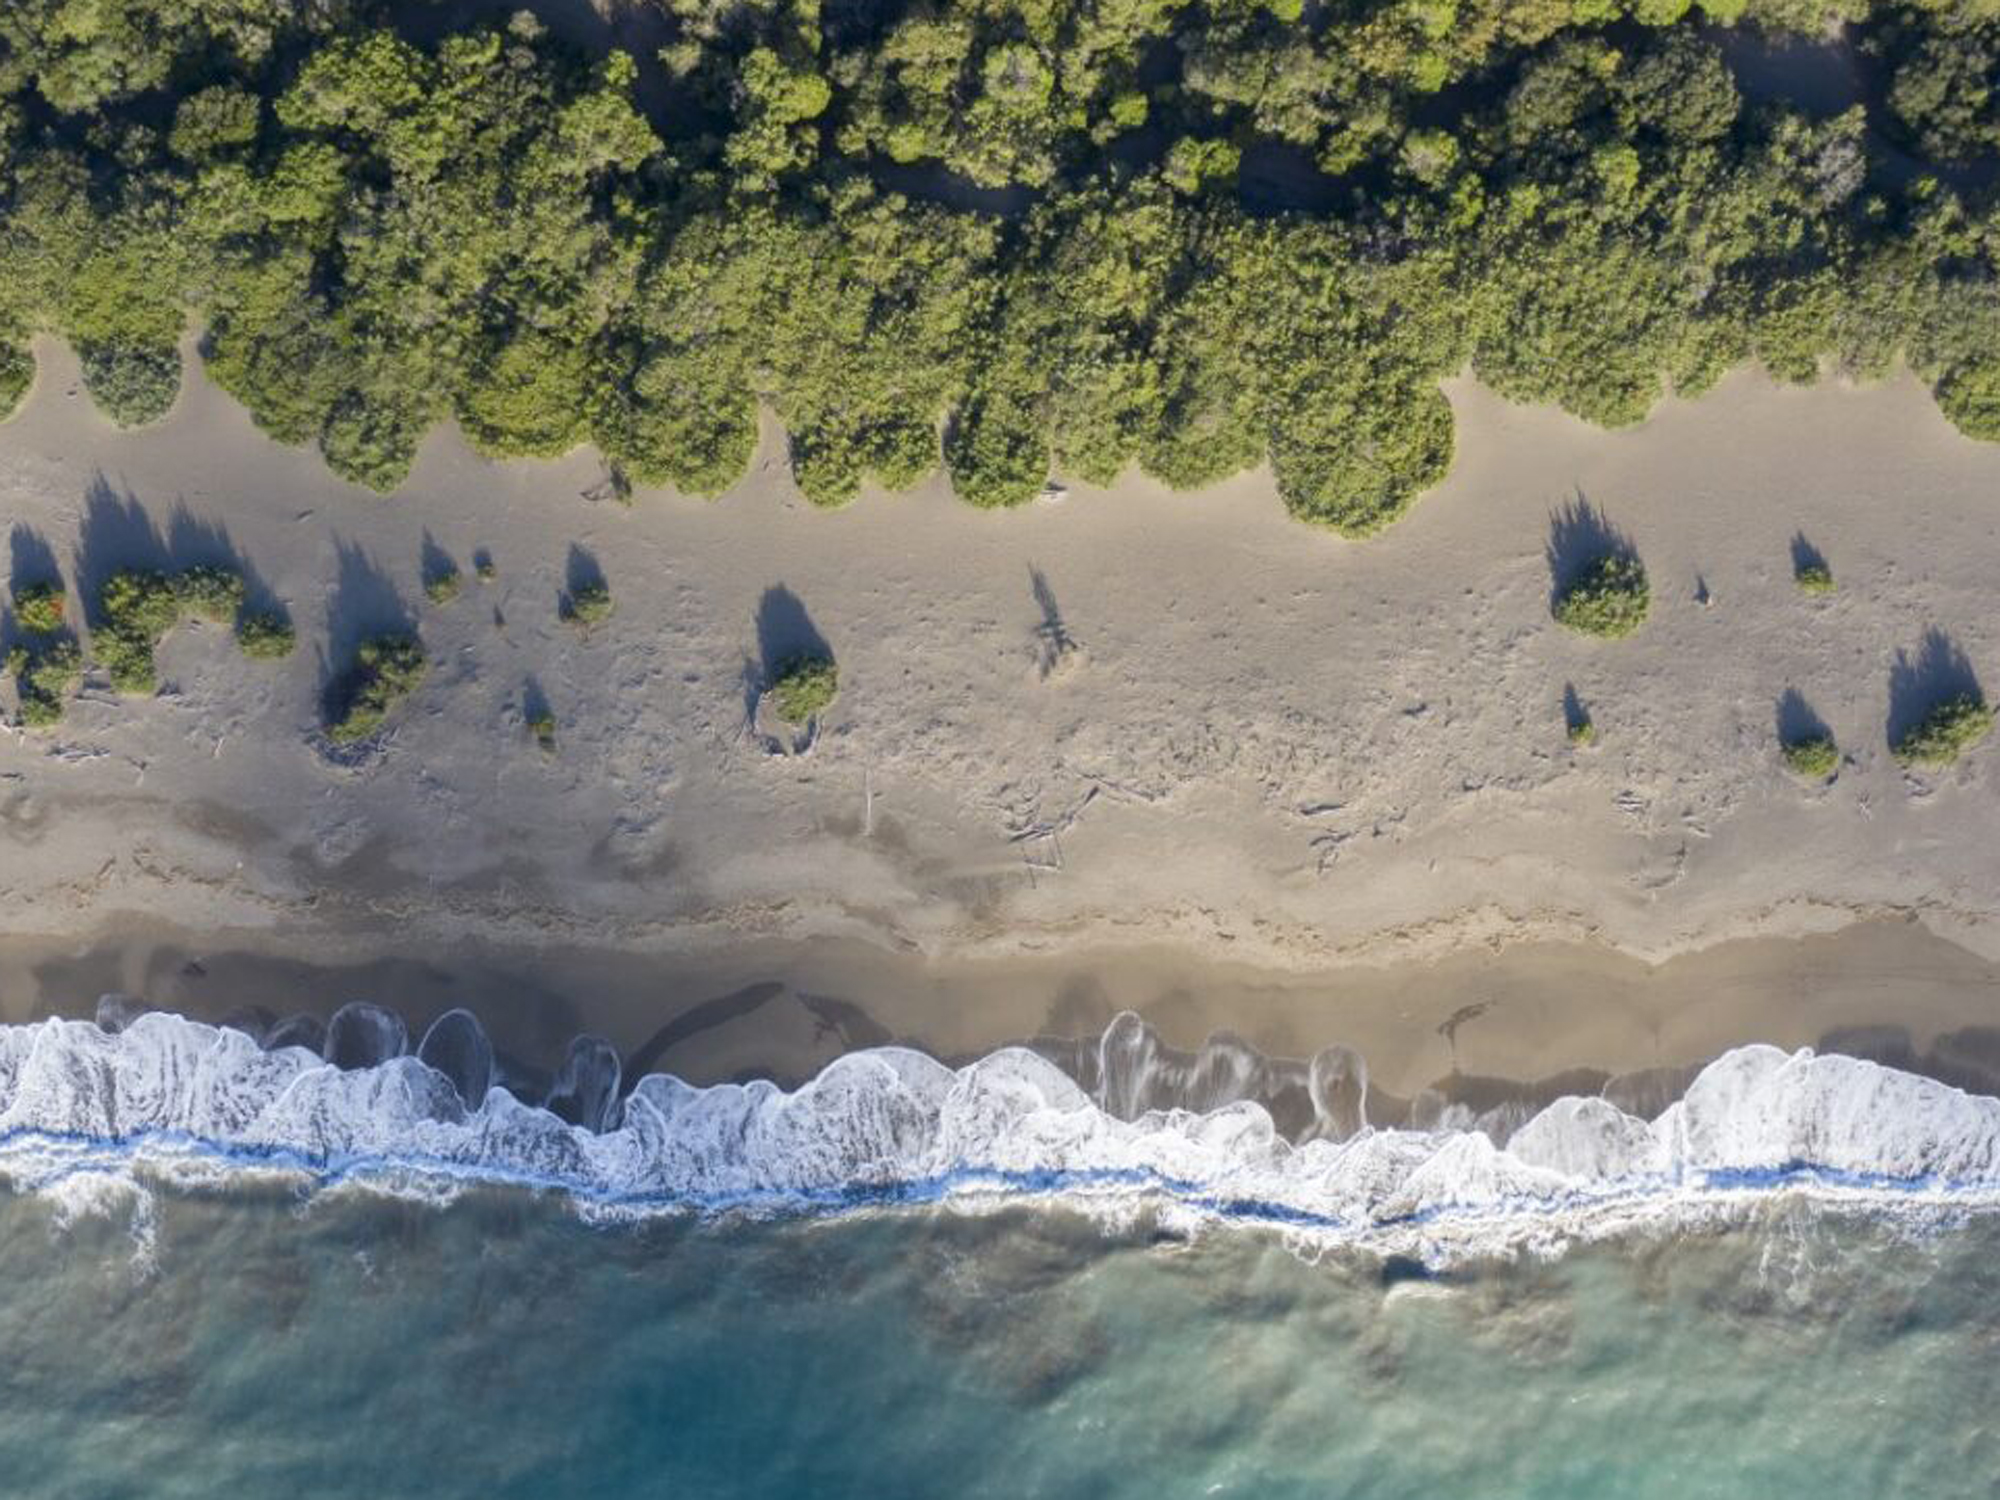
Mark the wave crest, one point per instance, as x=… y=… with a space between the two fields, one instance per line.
x=190 y=1103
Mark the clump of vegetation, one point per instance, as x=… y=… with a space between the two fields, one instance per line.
x=443 y=584
x=1813 y=578
x=804 y=686
x=137 y=607
x=387 y=669
x=1946 y=732
x=265 y=635
x=485 y=567
x=45 y=675
x=588 y=603
x=542 y=725
x=210 y=593
x=39 y=608
x=1573 y=200
x=1609 y=598
x=1583 y=732
x=1813 y=756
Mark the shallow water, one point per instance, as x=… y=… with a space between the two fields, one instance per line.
x=363 y=1346
x=230 y=1270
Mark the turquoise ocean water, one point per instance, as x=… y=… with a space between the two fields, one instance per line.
x=367 y=1347
x=235 y=1269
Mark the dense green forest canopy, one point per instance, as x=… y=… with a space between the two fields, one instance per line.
x=1014 y=237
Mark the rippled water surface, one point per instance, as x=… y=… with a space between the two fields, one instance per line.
x=248 y=1344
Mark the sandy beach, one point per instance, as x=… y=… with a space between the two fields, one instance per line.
x=1168 y=751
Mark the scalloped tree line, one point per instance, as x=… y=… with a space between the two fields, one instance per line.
x=988 y=240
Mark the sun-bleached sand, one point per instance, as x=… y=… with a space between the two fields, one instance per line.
x=1176 y=737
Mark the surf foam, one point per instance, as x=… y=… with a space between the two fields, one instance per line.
x=188 y=1104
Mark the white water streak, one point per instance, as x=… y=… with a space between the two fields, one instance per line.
x=192 y=1105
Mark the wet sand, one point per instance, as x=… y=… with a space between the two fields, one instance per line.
x=1523 y=1013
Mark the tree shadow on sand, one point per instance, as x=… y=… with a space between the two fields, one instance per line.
x=435 y=563
x=118 y=533
x=534 y=701
x=32 y=559
x=1939 y=670
x=1579 y=536
x=786 y=631
x=364 y=604
x=1797 y=722
x=1576 y=718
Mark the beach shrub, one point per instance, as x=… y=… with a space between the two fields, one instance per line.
x=44 y=677
x=386 y=670
x=486 y=569
x=1814 y=756
x=210 y=593
x=542 y=725
x=804 y=686
x=443 y=584
x=136 y=607
x=1583 y=732
x=1608 y=599
x=1944 y=733
x=1813 y=578
x=39 y=608
x=17 y=375
x=131 y=386
x=265 y=635
x=588 y=604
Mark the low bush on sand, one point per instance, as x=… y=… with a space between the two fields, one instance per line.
x=804 y=686
x=1813 y=756
x=136 y=607
x=44 y=676
x=442 y=586
x=1945 y=733
x=1608 y=599
x=265 y=635
x=386 y=670
x=587 y=604
x=210 y=593
x=1813 y=578
x=39 y=608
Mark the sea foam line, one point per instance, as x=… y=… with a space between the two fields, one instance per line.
x=191 y=1105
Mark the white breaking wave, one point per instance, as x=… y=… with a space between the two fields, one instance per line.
x=180 y=1102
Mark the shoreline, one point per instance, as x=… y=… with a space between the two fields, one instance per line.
x=1520 y=1021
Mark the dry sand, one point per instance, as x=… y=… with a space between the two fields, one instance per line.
x=1330 y=774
